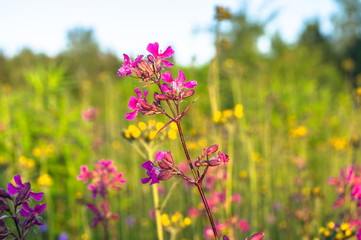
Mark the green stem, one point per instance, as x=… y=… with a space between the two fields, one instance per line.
x=229 y=172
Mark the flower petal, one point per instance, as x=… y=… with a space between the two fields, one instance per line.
x=154 y=179
x=133 y=101
x=131 y=116
x=147 y=165
x=181 y=78
x=18 y=181
x=24 y=213
x=190 y=84
x=126 y=59
x=138 y=92
x=159 y=156
x=167 y=77
x=37 y=196
x=168 y=52
x=26 y=207
x=167 y=64
x=12 y=190
x=153 y=48
x=145 y=180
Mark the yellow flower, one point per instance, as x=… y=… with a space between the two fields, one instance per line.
x=339 y=235
x=326 y=233
x=84 y=236
x=348 y=233
x=175 y=218
x=2 y=159
x=344 y=226
x=134 y=131
x=321 y=230
x=45 y=180
x=338 y=143
x=217 y=116
x=298 y=132
x=238 y=111
x=30 y=163
x=331 y=225
x=172 y=134
x=164 y=219
x=229 y=63
x=159 y=125
x=316 y=190
x=173 y=125
x=142 y=126
x=358 y=91
x=152 y=135
x=226 y=114
x=37 y=152
x=127 y=134
x=187 y=221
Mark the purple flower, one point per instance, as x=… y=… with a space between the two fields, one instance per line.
x=153 y=48
x=178 y=83
x=134 y=104
x=26 y=211
x=126 y=68
x=152 y=172
x=12 y=190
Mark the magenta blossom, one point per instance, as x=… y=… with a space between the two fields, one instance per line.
x=152 y=172
x=26 y=211
x=84 y=174
x=126 y=68
x=178 y=83
x=134 y=104
x=12 y=190
x=153 y=48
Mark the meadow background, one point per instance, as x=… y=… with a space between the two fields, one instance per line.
x=298 y=128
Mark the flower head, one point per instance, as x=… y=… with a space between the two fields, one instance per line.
x=135 y=104
x=26 y=211
x=90 y=114
x=178 y=83
x=12 y=190
x=152 y=172
x=153 y=48
x=126 y=68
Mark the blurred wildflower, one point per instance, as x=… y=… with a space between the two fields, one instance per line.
x=238 y=111
x=90 y=114
x=104 y=177
x=298 y=132
x=26 y=162
x=44 y=151
x=45 y=180
x=338 y=143
x=243 y=174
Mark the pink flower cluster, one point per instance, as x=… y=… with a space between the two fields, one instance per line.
x=241 y=225
x=90 y=114
x=349 y=178
x=104 y=177
x=149 y=71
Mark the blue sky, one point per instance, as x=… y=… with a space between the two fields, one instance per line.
x=128 y=26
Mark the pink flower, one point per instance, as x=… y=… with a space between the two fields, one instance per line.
x=90 y=114
x=257 y=236
x=32 y=214
x=134 y=104
x=243 y=225
x=153 y=48
x=178 y=84
x=84 y=174
x=126 y=68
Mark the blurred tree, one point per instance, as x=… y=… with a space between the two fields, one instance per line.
x=347 y=25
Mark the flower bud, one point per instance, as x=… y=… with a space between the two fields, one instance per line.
x=164 y=165
x=145 y=106
x=168 y=158
x=187 y=94
x=197 y=163
x=162 y=97
x=164 y=175
x=212 y=149
x=214 y=162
